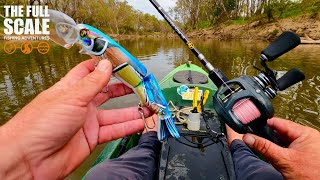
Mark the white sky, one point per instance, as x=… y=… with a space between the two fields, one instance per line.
x=146 y=7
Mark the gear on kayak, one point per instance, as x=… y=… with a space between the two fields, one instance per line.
x=244 y=103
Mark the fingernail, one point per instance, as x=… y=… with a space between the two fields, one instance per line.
x=103 y=65
x=249 y=140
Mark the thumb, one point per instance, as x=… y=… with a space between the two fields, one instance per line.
x=269 y=150
x=92 y=84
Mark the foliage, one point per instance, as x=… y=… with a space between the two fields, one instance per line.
x=313 y=7
x=275 y=32
x=197 y=14
x=293 y=9
x=111 y=16
x=204 y=24
x=239 y=21
x=117 y=17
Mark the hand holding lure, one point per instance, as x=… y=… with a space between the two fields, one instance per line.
x=126 y=67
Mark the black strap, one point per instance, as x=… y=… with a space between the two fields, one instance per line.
x=163 y=159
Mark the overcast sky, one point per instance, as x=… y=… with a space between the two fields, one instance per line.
x=147 y=7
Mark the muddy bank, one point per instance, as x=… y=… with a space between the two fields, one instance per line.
x=307 y=28
x=137 y=36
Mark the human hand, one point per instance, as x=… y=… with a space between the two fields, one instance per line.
x=301 y=160
x=56 y=131
x=232 y=135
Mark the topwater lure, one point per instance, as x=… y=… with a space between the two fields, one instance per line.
x=65 y=32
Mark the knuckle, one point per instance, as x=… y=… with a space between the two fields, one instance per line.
x=263 y=147
x=310 y=132
x=92 y=78
x=314 y=131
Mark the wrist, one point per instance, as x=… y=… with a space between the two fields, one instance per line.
x=13 y=165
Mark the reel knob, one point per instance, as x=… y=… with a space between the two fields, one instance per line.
x=292 y=77
x=282 y=44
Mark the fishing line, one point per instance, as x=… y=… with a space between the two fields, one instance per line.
x=246 y=111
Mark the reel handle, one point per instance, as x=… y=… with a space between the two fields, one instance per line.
x=292 y=77
x=282 y=44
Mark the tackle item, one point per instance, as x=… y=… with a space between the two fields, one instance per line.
x=244 y=103
x=193 y=121
x=195 y=100
x=125 y=66
x=203 y=100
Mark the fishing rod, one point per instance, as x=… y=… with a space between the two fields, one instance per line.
x=244 y=103
x=215 y=75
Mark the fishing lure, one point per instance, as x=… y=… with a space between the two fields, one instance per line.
x=126 y=67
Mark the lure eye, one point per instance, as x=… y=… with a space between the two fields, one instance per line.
x=84 y=33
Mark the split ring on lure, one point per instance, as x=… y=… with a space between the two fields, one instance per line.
x=64 y=31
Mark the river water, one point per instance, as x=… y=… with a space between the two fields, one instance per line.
x=24 y=76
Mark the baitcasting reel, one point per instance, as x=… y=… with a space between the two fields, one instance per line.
x=245 y=104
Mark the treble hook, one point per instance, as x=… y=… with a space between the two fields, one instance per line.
x=140 y=109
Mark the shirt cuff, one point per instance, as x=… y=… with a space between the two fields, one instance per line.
x=236 y=144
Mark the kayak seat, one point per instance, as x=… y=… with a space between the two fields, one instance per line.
x=190 y=77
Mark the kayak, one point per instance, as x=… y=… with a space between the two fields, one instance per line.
x=201 y=154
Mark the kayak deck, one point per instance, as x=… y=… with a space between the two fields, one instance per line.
x=188 y=157
x=197 y=154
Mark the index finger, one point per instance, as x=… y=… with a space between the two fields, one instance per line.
x=118 y=89
x=79 y=71
x=114 y=90
x=115 y=131
x=115 y=116
x=289 y=129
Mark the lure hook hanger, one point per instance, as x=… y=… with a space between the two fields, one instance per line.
x=140 y=109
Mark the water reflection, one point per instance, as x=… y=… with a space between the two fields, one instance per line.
x=24 y=76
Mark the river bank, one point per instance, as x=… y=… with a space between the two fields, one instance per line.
x=307 y=28
x=137 y=36
x=116 y=36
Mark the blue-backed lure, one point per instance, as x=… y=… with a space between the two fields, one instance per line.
x=65 y=32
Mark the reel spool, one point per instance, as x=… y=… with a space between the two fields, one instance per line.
x=245 y=104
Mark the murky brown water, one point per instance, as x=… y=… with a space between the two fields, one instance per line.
x=24 y=76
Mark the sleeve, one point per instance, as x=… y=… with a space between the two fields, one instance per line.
x=140 y=162
x=248 y=166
